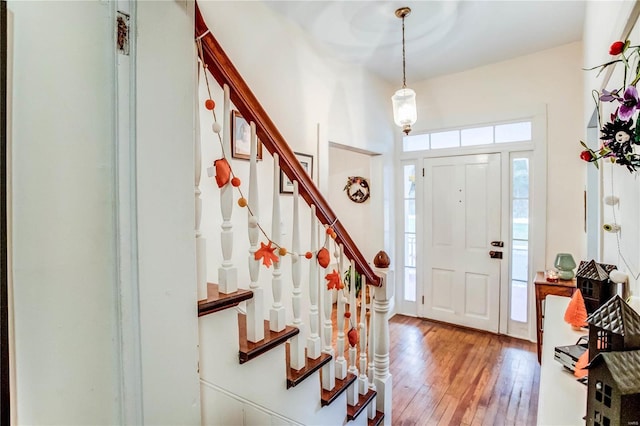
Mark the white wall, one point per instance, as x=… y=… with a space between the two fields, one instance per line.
x=604 y=24
x=63 y=215
x=165 y=168
x=519 y=88
x=358 y=218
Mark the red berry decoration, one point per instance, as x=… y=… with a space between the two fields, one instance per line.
x=308 y=255
x=329 y=231
x=347 y=314
x=235 y=182
x=209 y=104
x=617 y=47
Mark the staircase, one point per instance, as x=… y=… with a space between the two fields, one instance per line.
x=257 y=371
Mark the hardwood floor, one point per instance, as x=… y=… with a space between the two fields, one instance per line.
x=446 y=375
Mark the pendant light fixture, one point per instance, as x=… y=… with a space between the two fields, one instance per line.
x=404 y=100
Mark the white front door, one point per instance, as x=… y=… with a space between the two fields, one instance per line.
x=462 y=219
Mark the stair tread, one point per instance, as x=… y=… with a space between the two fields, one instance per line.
x=272 y=339
x=295 y=377
x=217 y=301
x=354 y=411
x=328 y=397
x=377 y=420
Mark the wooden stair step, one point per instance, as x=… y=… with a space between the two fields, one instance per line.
x=328 y=397
x=377 y=420
x=354 y=411
x=217 y=301
x=272 y=339
x=295 y=377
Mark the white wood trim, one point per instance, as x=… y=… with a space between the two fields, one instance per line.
x=128 y=302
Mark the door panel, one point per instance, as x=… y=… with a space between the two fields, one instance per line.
x=442 y=295
x=462 y=213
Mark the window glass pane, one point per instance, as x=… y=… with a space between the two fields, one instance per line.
x=410 y=284
x=476 y=136
x=520 y=229
x=410 y=250
x=519 y=300
x=513 y=132
x=521 y=210
x=519 y=261
x=409 y=182
x=415 y=142
x=521 y=178
x=445 y=139
x=410 y=216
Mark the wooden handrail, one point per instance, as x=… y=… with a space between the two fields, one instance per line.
x=223 y=70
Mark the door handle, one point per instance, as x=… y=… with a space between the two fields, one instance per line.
x=495 y=254
x=497 y=244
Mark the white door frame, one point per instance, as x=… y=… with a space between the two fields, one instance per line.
x=538 y=212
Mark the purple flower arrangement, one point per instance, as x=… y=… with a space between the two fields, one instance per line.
x=619 y=136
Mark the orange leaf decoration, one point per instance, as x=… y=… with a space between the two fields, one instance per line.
x=324 y=257
x=333 y=280
x=266 y=253
x=581 y=365
x=576 y=313
x=223 y=172
x=352 y=335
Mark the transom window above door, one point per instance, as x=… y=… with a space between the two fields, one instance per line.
x=472 y=136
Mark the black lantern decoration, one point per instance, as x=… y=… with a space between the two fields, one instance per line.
x=613 y=396
x=594 y=284
x=613 y=327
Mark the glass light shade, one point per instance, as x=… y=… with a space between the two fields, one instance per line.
x=404 y=108
x=564 y=264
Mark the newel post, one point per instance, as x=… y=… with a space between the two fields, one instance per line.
x=382 y=378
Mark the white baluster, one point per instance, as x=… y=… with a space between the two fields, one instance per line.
x=352 y=392
x=382 y=378
x=201 y=242
x=371 y=409
x=296 y=348
x=363 y=381
x=227 y=274
x=329 y=369
x=313 y=342
x=277 y=312
x=341 y=362
x=371 y=346
x=255 y=305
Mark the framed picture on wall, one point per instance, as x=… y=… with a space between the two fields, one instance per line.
x=241 y=138
x=306 y=160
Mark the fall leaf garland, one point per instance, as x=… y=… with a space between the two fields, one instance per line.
x=225 y=175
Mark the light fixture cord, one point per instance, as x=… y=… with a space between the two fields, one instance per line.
x=404 y=77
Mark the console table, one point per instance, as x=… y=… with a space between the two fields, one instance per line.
x=544 y=289
x=562 y=399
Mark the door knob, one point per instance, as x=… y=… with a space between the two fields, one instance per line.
x=497 y=244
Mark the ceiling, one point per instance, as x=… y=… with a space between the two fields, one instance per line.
x=442 y=37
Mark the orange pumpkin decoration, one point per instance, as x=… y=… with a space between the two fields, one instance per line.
x=352 y=335
x=324 y=257
x=223 y=172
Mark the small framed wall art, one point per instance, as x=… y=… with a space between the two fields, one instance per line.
x=306 y=160
x=241 y=138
